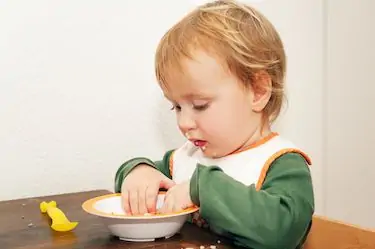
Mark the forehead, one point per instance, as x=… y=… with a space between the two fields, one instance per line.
x=200 y=76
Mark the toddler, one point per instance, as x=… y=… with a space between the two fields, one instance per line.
x=222 y=67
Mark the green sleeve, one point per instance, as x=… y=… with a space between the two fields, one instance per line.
x=276 y=216
x=125 y=168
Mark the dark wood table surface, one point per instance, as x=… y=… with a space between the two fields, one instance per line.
x=23 y=226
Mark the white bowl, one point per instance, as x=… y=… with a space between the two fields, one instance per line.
x=139 y=228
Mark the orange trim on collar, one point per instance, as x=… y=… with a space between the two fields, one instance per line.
x=275 y=156
x=251 y=146
x=257 y=143
x=171 y=164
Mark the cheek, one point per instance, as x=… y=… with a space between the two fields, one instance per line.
x=226 y=119
x=207 y=122
x=218 y=121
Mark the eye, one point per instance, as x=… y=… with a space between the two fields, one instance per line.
x=176 y=107
x=201 y=107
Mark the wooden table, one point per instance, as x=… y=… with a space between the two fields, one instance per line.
x=23 y=226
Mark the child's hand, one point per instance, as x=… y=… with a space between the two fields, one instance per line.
x=140 y=189
x=177 y=198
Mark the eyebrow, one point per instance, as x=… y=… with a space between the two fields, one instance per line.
x=191 y=96
x=194 y=96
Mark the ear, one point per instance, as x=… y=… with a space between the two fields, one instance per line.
x=262 y=90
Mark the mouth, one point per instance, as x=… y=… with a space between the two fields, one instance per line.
x=199 y=143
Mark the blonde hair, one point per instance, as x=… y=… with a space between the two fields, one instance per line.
x=237 y=34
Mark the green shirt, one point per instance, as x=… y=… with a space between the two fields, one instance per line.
x=279 y=215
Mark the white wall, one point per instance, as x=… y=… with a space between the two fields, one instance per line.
x=78 y=95
x=349 y=116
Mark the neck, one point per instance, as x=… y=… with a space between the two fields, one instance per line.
x=258 y=134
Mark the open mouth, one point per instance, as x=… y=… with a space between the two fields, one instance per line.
x=200 y=143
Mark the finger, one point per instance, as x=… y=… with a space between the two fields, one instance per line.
x=151 y=198
x=167 y=183
x=125 y=201
x=142 y=200
x=177 y=208
x=174 y=206
x=133 y=199
x=168 y=205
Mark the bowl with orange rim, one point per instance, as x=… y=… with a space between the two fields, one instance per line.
x=136 y=228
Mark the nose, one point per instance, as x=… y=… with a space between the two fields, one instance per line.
x=186 y=122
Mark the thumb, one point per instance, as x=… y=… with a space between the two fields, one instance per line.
x=167 y=183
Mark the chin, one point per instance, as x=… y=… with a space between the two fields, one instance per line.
x=211 y=153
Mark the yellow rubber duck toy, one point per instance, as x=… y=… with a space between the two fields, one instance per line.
x=60 y=222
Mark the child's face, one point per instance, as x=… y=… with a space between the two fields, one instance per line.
x=214 y=111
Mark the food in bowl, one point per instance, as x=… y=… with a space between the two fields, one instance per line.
x=138 y=228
